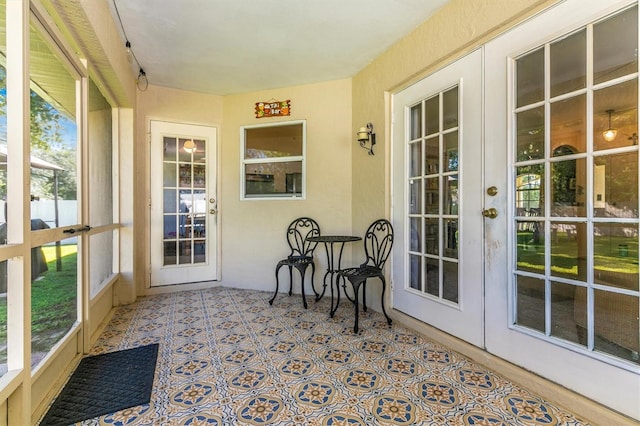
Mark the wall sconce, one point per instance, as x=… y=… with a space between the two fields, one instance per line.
x=366 y=135
x=610 y=134
x=189 y=146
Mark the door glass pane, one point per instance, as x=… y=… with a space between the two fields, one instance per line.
x=415 y=159
x=450 y=109
x=620 y=31
x=415 y=240
x=432 y=116
x=569 y=250
x=615 y=255
x=569 y=125
x=530 y=247
x=415 y=196
x=450 y=281
x=415 y=271
x=450 y=154
x=530 y=134
x=565 y=312
x=616 y=325
x=616 y=109
x=432 y=236
x=530 y=302
x=432 y=156
x=530 y=78
x=53 y=139
x=568 y=64
x=530 y=191
x=568 y=183
x=54 y=288
x=615 y=184
x=450 y=232
x=432 y=276
x=450 y=195
x=185 y=209
x=432 y=196
x=416 y=122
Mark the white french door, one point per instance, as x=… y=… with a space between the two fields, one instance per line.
x=561 y=273
x=437 y=186
x=183 y=204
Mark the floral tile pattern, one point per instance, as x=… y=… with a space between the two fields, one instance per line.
x=228 y=358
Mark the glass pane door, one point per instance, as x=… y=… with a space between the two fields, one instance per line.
x=576 y=188
x=184 y=201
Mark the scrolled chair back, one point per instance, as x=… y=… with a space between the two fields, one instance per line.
x=298 y=233
x=378 y=241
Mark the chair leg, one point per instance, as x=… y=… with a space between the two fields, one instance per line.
x=302 y=271
x=356 y=290
x=384 y=287
x=277 y=286
x=313 y=286
x=290 y=280
x=364 y=296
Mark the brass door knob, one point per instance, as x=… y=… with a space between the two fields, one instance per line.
x=213 y=211
x=492 y=191
x=491 y=213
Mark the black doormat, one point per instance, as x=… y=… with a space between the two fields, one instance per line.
x=104 y=384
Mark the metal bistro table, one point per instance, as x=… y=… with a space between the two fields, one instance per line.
x=331 y=243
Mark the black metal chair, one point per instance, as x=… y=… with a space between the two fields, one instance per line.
x=377 y=246
x=301 y=255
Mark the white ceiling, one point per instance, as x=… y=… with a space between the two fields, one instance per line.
x=235 y=46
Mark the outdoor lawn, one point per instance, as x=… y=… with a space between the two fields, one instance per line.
x=53 y=302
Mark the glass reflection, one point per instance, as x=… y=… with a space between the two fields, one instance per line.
x=563 y=318
x=432 y=156
x=530 y=249
x=432 y=277
x=170 y=148
x=450 y=234
x=568 y=64
x=450 y=109
x=568 y=182
x=621 y=101
x=415 y=271
x=530 y=304
x=530 y=78
x=569 y=125
x=450 y=195
x=450 y=281
x=530 y=190
x=415 y=231
x=432 y=236
x=432 y=116
x=620 y=31
x=615 y=255
x=569 y=250
x=432 y=196
x=416 y=122
x=450 y=155
x=415 y=196
x=415 y=159
x=616 y=325
x=274 y=141
x=615 y=185
x=265 y=179
x=530 y=134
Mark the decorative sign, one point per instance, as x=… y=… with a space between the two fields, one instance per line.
x=273 y=108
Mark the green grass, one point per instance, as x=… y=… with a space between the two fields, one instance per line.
x=53 y=301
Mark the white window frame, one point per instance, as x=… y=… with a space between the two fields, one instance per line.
x=246 y=161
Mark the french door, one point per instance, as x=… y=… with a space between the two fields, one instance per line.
x=437 y=185
x=562 y=285
x=183 y=203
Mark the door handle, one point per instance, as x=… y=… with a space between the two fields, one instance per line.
x=74 y=230
x=491 y=213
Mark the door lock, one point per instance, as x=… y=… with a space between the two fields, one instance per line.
x=213 y=211
x=492 y=191
x=491 y=213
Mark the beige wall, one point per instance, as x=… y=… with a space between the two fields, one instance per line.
x=251 y=232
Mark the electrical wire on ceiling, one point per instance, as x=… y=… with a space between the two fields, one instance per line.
x=141 y=81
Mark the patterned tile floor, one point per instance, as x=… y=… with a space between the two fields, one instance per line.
x=228 y=358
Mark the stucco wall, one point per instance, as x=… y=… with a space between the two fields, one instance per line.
x=253 y=231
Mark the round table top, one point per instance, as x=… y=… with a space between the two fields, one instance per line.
x=334 y=238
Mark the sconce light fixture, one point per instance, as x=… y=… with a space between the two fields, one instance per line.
x=366 y=135
x=610 y=134
x=189 y=146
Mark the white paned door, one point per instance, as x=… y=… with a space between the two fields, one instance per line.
x=183 y=204
x=437 y=187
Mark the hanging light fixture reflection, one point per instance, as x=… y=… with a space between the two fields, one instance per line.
x=189 y=146
x=610 y=134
